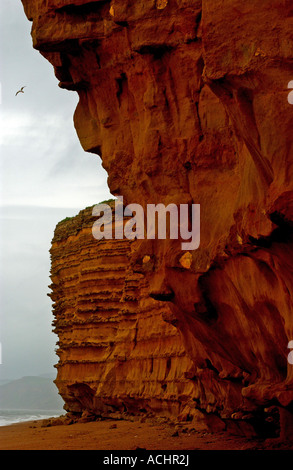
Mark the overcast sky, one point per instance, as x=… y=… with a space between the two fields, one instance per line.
x=45 y=177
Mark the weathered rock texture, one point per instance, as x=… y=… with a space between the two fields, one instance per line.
x=186 y=101
x=117 y=354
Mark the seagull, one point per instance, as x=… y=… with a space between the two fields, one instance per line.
x=20 y=91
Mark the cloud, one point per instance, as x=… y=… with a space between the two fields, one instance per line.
x=43 y=163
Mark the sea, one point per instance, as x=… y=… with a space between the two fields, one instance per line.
x=8 y=417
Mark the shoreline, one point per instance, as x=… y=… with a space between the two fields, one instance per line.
x=118 y=435
x=6 y=421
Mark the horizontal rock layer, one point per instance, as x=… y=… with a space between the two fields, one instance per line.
x=116 y=351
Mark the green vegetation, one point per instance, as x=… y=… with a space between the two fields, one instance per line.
x=65 y=220
x=107 y=202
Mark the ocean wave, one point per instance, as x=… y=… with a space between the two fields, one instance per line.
x=8 y=417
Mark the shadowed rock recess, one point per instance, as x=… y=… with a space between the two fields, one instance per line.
x=185 y=101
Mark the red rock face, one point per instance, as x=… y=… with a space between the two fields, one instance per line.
x=187 y=101
x=117 y=356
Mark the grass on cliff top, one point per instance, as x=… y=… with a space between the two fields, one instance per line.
x=108 y=201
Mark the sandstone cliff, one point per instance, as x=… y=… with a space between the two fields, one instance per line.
x=186 y=101
x=117 y=354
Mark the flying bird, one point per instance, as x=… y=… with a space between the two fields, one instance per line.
x=20 y=91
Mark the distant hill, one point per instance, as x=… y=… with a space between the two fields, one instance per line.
x=5 y=381
x=30 y=393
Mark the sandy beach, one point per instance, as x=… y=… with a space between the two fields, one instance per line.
x=119 y=435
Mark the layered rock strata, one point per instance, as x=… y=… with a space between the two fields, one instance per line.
x=116 y=353
x=186 y=102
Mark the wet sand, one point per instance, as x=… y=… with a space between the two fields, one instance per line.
x=118 y=435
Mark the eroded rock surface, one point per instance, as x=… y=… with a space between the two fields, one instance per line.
x=117 y=356
x=186 y=101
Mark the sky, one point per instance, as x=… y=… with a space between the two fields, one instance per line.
x=45 y=176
